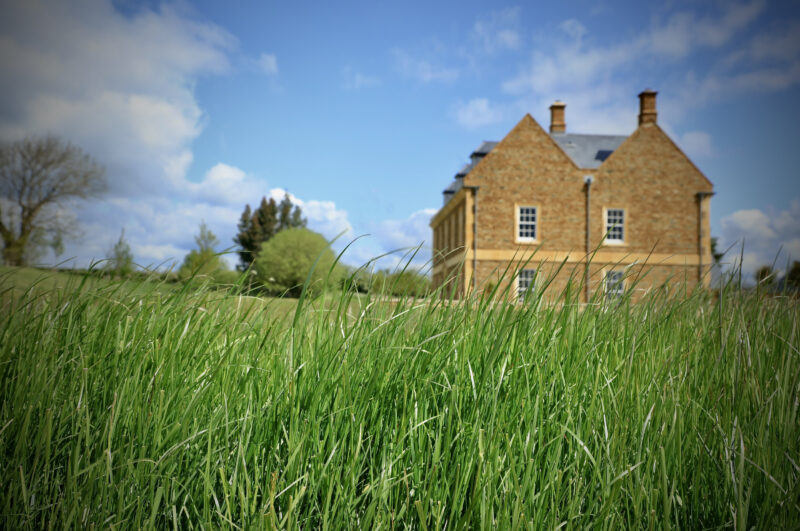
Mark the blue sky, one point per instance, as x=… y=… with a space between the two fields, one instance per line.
x=364 y=111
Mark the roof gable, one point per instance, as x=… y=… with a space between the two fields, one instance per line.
x=526 y=132
x=651 y=150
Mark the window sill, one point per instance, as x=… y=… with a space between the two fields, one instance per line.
x=526 y=242
x=613 y=244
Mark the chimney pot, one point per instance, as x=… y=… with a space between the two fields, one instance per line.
x=647 y=107
x=557 y=123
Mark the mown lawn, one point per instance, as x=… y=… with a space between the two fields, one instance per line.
x=123 y=407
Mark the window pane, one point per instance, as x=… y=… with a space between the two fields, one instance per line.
x=527 y=223
x=525 y=279
x=614 y=284
x=615 y=224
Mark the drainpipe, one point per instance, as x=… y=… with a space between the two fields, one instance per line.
x=474 y=238
x=700 y=197
x=587 y=180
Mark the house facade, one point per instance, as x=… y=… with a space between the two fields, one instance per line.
x=543 y=202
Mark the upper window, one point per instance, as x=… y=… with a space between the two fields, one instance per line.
x=614 y=284
x=526 y=280
x=527 y=216
x=615 y=225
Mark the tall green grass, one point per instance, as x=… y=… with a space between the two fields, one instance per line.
x=123 y=408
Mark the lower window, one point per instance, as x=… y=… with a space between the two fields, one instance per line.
x=526 y=280
x=614 y=284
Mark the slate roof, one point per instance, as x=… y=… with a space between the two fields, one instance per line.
x=454 y=186
x=465 y=169
x=451 y=190
x=588 y=151
x=484 y=148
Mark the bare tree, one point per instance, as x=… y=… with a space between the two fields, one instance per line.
x=39 y=178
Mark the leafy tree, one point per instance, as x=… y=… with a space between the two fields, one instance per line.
x=259 y=226
x=205 y=239
x=401 y=283
x=285 y=260
x=120 y=260
x=765 y=276
x=203 y=260
x=793 y=276
x=359 y=279
x=39 y=177
x=715 y=254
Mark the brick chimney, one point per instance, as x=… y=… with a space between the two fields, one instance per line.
x=647 y=107
x=557 y=123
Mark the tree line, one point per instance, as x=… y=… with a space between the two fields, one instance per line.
x=42 y=178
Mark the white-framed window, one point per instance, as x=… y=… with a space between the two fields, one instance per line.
x=527 y=220
x=615 y=225
x=526 y=282
x=614 y=282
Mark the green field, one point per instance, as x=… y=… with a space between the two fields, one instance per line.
x=125 y=405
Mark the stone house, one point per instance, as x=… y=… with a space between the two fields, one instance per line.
x=543 y=202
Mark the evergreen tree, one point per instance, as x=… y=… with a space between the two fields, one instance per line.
x=298 y=221
x=243 y=238
x=267 y=226
x=285 y=213
x=256 y=227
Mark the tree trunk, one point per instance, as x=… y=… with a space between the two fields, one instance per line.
x=13 y=254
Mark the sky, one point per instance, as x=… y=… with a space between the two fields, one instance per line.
x=364 y=111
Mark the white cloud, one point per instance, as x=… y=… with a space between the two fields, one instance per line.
x=598 y=80
x=696 y=144
x=573 y=28
x=762 y=234
x=751 y=225
x=354 y=80
x=571 y=64
x=268 y=63
x=476 y=113
x=224 y=185
x=583 y=77
x=323 y=216
x=406 y=233
x=781 y=44
x=395 y=242
x=500 y=31
x=121 y=87
x=422 y=69
x=161 y=230
x=719 y=85
x=685 y=31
